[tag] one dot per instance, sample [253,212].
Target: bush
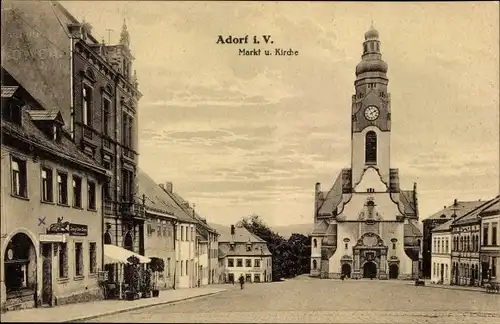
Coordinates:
[157,264]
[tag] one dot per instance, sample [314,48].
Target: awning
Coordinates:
[115,254]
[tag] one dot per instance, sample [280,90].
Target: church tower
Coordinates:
[371,113]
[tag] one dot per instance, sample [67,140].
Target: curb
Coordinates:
[462,289]
[86,318]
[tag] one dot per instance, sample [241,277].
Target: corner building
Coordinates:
[365,225]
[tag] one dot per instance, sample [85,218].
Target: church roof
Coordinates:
[411,230]
[320,228]
[408,200]
[331,198]
[330,235]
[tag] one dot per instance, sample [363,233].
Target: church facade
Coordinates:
[365,225]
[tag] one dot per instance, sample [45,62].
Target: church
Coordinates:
[365,226]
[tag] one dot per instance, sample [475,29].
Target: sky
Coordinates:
[252,135]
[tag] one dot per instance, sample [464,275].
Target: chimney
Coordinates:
[232,230]
[169,187]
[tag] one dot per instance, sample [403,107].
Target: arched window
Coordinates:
[371,147]
[315,264]
[315,243]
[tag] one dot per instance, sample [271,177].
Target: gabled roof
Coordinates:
[445,227]
[494,209]
[8,91]
[463,207]
[241,235]
[184,205]
[240,249]
[473,215]
[46,115]
[159,197]
[65,148]
[154,197]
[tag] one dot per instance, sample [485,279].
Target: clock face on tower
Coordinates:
[371,113]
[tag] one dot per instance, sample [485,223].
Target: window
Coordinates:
[230,262]
[187,267]
[168,267]
[248,263]
[63,260]
[231,247]
[19,179]
[315,264]
[92,257]
[182,233]
[12,112]
[158,228]
[494,234]
[107,165]
[230,277]
[346,245]
[182,267]
[47,185]
[105,116]
[77,192]
[371,147]
[248,277]
[62,188]
[192,233]
[256,277]
[485,235]
[439,246]
[127,124]
[249,247]
[87,105]
[79,259]
[393,245]
[315,243]
[91,195]
[239,263]
[446,246]
[256,263]
[127,185]
[57,133]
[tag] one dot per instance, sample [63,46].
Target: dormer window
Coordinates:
[57,132]
[249,247]
[12,112]
[231,247]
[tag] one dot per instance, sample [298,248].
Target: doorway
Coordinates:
[47,274]
[369,270]
[393,271]
[346,270]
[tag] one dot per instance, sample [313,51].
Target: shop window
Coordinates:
[248,277]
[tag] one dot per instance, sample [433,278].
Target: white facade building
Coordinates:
[365,224]
[185,250]
[441,254]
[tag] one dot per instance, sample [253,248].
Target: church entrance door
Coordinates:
[346,270]
[369,270]
[393,271]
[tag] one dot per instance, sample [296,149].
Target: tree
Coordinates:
[290,257]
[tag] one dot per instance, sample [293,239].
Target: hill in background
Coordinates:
[285,231]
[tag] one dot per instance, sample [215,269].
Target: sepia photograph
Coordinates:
[250,162]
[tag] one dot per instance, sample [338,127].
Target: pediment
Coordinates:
[371,180]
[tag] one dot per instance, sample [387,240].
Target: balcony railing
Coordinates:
[124,209]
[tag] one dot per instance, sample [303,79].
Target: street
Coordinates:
[305,300]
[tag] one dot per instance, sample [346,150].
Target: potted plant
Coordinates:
[146,283]
[157,265]
[133,280]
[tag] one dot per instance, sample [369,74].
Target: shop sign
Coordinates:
[67,228]
[52,238]
[78,229]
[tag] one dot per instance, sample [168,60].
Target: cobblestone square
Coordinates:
[305,300]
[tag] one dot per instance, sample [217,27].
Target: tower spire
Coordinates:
[124,35]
